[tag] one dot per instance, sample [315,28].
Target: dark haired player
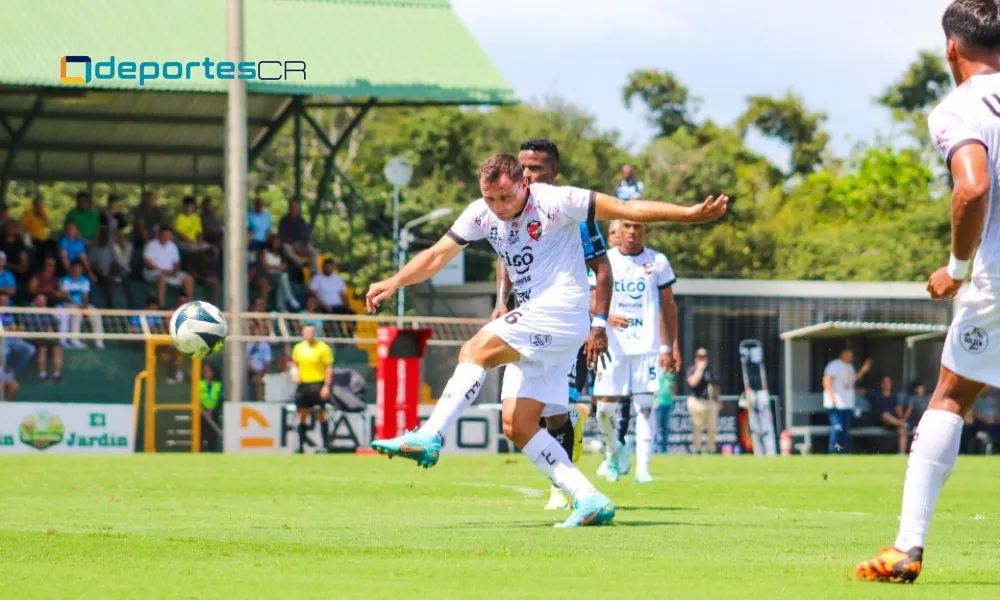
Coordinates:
[540,159]
[965,127]
[534,226]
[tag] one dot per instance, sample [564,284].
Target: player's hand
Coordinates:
[709,210]
[942,286]
[379,291]
[617,321]
[499,311]
[324,393]
[596,347]
[666,362]
[678,361]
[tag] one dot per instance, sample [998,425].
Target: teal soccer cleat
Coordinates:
[591,511]
[423,448]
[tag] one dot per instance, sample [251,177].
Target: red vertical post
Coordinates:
[386,386]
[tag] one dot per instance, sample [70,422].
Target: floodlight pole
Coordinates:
[235,271]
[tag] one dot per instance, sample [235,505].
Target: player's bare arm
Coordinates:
[327,381]
[423,266]
[504,285]
[600,304]
[969,205]
[608,208]
[668,331]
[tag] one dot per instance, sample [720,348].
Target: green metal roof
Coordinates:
[412,50]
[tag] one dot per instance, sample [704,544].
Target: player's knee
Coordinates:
[485,350]
[519,427]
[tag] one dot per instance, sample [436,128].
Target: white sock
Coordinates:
[461,391]
[607,417]
[550,458]
[932,458]
[643,441]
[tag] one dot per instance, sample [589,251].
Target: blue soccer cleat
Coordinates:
[423,448]
[591,511]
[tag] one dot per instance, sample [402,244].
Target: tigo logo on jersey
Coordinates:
[207,69]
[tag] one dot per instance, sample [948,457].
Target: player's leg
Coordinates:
[324,425]
[624,420]
[766,422]
[697,413]
[560,428]
[644,385]
[932,459]
[610,384]
[520,424]
[303,407]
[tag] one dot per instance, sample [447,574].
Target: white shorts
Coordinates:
[628,376]
[548,334]
[972,348]
[176,280]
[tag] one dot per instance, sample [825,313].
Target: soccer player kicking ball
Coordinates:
[963,127]
[536,228]
[540,159]
[644,302]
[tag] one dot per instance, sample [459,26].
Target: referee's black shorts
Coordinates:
[307,396]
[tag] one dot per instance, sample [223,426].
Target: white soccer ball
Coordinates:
[198,329]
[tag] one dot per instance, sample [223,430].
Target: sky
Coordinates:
[837,55]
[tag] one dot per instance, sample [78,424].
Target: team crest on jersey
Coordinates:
[514,236]
[541,340]
[942,138]
[494,234]
[535,230]
[974,339]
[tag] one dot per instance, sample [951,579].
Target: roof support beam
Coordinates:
[97,148]
[161,119]
[274,127]
[6,125]
[329,164]
[117,177]
[15,145]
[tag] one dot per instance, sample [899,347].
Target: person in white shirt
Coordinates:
[259,357]
[535,228]
[161,260]
[331,290]
[840,382]
[965,128]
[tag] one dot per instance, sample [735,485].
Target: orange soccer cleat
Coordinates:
[892,565]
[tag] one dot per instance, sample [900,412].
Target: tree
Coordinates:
[924,83]
[670,105]
[787,119]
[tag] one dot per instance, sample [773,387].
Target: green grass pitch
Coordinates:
[215,526]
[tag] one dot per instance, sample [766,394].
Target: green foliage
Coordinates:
[669,104]
[787,119]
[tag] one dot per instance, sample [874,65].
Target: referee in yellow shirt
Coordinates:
[313,373]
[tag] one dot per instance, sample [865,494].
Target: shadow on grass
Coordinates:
[657,508]
[548,525]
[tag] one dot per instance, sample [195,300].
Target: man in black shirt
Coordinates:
[703,404]
[294,233]
[888,408]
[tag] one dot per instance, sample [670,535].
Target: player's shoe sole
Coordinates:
[557,500]
[593,511]
[419,447]
[892,566]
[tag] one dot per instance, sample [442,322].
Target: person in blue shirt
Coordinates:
[72,249]
[76,285]
[259,223]
[629,188]
[540,158]
[8,284]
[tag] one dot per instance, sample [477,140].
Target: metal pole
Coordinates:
[404,245]
[395,226]
[236,203]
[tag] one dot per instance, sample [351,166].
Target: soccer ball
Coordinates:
[198,329]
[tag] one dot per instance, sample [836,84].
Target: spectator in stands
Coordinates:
[187,226]
[46,282]
[8,284]
[331,290]
[84,217]
[162,265]
[982,424]
[16,351]
[146,221]
[703,403]
[10,383]
[891,411]
[260,224]
[258,361]
[840,382]
[72,248]
[916,402]
[614,234]
[212,230]
[295,232]
[210,394]
[313,308]
[76,285]
[36,222]
[112,216]
[12,244]
[259,305]
[629,188]
[156,323]
[45,323]
[110,267]
[272,270]
[4,213]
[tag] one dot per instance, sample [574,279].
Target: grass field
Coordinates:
[215,526]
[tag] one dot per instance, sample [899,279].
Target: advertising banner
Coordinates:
[53,428]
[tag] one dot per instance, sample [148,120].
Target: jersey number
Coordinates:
[512,317]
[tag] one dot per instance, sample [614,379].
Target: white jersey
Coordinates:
[638,281]
[970,114]
[541,247]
